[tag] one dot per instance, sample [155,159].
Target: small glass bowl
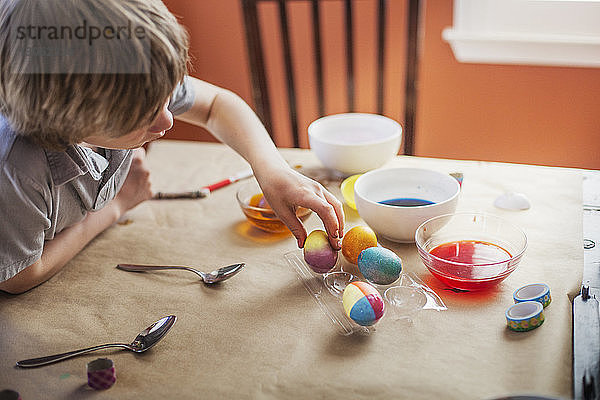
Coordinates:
[263,218]
[470,227]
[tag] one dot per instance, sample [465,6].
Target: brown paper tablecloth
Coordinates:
[260,334]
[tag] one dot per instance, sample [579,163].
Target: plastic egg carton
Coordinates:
[403,298]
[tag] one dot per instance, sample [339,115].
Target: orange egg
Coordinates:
[356,240]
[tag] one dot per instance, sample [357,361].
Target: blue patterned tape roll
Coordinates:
[539,292]
[525,316]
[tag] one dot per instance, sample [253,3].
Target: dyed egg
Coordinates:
[379,265]
[258,200]
[318,253]
[356,240]
[363,303]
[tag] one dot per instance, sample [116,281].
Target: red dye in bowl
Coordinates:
[470,264]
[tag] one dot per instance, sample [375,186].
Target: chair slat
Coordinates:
[349,55]
[289,72]
[260,92]
[316,19]
[381,28]
[412,62]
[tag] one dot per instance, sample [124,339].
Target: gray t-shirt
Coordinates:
[43,192]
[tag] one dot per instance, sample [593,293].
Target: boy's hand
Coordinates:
[286,189]
[137,187]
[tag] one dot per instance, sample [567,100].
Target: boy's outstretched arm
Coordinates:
[70,241]
[231,120]
[58,251]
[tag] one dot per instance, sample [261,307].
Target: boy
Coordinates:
[83,85]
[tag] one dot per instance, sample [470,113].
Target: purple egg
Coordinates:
[318,253]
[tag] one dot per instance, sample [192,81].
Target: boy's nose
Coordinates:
[163,122]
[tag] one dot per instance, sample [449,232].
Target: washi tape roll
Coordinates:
[539,292]
[525,316]
[8,394]
[101,373]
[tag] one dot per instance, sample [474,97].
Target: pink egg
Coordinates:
[318,253]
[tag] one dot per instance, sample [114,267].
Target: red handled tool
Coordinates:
[206,190]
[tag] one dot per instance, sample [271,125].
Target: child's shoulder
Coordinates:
[19,157]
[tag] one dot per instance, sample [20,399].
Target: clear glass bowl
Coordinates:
[263,218]
[486,249]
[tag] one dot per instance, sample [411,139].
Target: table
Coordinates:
[260,334]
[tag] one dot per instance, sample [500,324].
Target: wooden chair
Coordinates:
[260,76]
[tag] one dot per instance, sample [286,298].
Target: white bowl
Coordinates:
[354,143]
[399,223]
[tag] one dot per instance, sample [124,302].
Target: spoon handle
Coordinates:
[38,362]
[142,268]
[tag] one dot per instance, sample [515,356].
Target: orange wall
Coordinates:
[523,114]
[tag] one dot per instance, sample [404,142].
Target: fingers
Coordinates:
[329,210]
[288,192]
[289,218]
[140,174]
[339,211]
[325,209]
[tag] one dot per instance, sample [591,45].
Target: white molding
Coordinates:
[483,33]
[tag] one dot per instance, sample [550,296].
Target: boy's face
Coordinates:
[162,123]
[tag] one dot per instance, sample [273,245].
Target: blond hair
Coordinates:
[109,74]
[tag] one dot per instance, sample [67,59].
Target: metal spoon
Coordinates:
[146,339]
[211,277]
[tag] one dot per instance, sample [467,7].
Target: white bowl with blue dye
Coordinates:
[395,201]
